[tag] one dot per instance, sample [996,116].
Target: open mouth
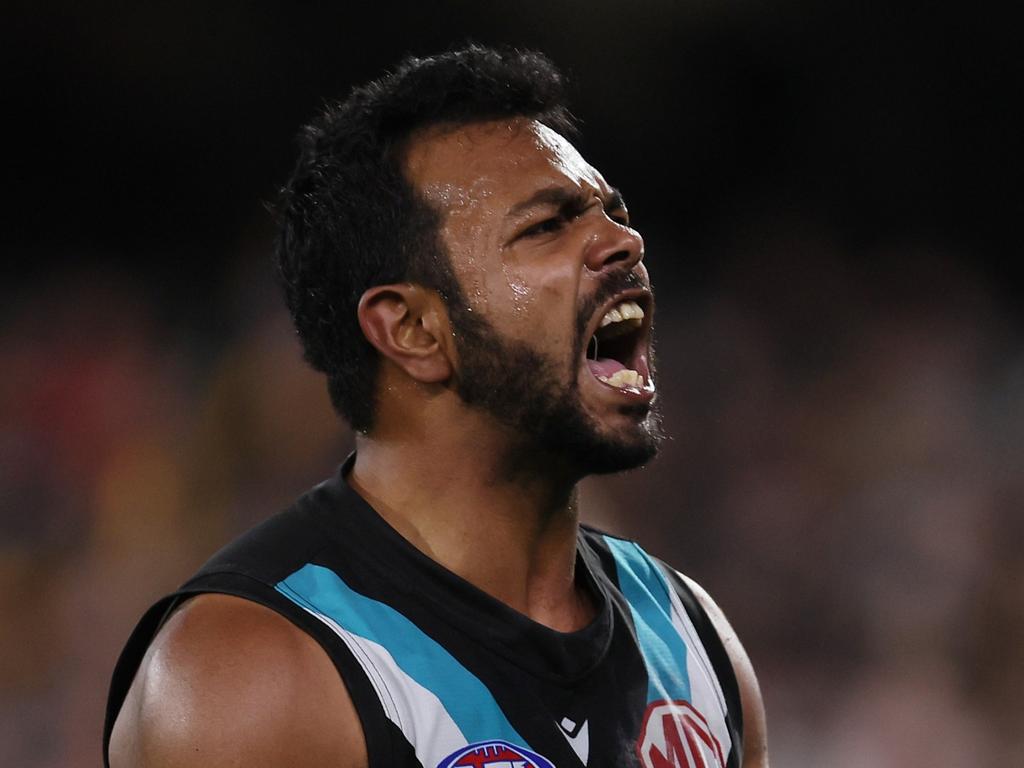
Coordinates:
[617,351]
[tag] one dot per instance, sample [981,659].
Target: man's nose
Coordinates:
[613,245]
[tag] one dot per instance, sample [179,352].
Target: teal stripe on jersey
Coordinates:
[663,648]
[467,700]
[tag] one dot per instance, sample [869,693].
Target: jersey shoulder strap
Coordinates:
[684,655]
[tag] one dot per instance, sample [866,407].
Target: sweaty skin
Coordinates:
[531,283]
[230,683]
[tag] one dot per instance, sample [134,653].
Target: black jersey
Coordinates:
[443,675]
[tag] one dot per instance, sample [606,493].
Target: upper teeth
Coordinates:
[625,310]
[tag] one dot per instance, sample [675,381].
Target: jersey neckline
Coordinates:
[497,627]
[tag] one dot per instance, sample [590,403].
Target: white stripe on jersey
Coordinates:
[416,710]
[705,690]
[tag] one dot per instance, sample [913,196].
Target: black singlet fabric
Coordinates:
[443,675]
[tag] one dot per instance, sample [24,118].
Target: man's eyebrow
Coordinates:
[561,197]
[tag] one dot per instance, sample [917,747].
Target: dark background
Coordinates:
[830,200]
[146,135]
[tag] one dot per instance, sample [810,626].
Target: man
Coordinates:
[476,296]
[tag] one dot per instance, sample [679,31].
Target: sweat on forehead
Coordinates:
[453,166]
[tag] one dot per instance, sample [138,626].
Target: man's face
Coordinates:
[553,326]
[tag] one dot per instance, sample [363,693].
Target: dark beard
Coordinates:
[520,387]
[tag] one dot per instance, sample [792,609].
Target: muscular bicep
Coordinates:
[755,734]
[228,682]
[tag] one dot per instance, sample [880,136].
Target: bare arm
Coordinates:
[755,735]
[228,682]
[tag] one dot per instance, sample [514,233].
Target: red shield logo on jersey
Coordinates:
[676,735]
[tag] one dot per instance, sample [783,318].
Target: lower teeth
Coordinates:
[623,378]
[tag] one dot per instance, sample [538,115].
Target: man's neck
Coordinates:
[507,531]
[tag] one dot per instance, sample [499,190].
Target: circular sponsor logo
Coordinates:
[676,735]
[494,754]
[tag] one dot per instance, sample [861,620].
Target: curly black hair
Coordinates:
[349,219]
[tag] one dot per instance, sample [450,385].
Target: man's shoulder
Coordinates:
[227,680]
[235,672]
[721,643]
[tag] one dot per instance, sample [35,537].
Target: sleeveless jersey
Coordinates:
[445,676]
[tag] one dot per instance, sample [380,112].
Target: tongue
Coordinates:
[604,366]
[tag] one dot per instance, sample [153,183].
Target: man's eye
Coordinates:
[619,216]
[545,227]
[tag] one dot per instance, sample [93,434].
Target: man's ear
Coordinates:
[406,323]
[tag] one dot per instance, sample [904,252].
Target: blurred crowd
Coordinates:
[845,476]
